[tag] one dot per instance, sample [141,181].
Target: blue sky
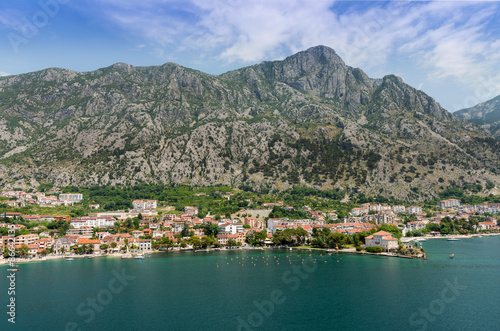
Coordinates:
[449,49]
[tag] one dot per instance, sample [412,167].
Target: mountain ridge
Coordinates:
[309,119]
[486,114]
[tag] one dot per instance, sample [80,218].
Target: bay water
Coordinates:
[263,290]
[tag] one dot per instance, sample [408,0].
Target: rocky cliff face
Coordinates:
[485,114]
[309,119]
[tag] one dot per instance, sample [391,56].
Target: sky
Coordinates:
[448,49]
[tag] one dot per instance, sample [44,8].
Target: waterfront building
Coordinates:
[382,239]
[26,239]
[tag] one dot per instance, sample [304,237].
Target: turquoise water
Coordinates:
[264,290]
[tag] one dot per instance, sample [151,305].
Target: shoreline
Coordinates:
[458,236]
[5,261]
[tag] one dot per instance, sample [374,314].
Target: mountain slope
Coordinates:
[308,119]
[485,114]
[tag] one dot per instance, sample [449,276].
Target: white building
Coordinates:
[417,225]
[450,203]
[148,204]
[74,197]
[382,239]
[191,210]
[487,208]
[398,209]
[414,210]
[231,228]
[142,244]
[94,222]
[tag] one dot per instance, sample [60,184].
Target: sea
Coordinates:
[262,290]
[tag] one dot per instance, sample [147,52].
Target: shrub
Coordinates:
[374,249]
[358,248]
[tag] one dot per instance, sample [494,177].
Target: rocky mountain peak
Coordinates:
[486,114]
[120,66]
[313,59]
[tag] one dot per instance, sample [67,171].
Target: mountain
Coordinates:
[309,119]
[485,114]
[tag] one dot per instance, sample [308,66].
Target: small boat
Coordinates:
[453,239]
[139,256]
[89,257]
[290,248]
[452,256]
[70,259]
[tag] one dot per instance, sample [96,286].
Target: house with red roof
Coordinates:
[382,239]
[85,241]
[486,225]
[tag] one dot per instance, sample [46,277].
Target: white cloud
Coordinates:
[448,40]
[253,30]
[12,19]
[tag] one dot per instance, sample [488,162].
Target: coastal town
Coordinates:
[147,227]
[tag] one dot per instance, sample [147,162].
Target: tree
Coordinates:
[165,242]
[44,252]
[339,240]
[6,253]
[262,235]
[104,248]
[22,251]
[231,243]
[301,235]
[195,242]
[393,230]
[290,237]
[207,242]
[185,231]
[257,238]
[211,229]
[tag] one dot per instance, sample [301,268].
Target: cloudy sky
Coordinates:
[449,49]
